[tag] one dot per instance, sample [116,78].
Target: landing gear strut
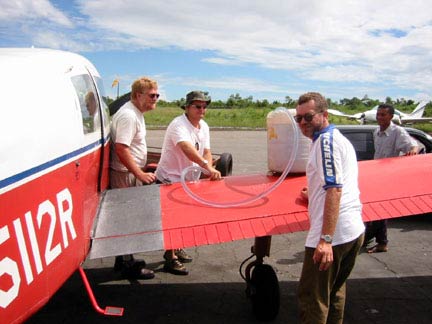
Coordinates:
[262,283]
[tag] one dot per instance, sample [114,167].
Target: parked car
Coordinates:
[361,136]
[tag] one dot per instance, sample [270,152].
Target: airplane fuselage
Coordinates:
[54,165]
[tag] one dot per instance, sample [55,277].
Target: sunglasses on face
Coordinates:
[200,106]
[307,117]
[152,95]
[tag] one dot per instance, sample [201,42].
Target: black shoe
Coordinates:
[174,266]
[119,260]
[133,269]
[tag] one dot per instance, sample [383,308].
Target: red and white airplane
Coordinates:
[55,209]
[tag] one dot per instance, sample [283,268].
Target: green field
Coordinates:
[237,118]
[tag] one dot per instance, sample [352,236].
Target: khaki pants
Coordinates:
[322,293]
[120,179]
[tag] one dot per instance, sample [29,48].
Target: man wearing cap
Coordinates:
[186,143]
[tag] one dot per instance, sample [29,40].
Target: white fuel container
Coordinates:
[280,142]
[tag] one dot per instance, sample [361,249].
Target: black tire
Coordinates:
[265,294]
[224,164]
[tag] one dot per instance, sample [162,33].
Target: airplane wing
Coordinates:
[164,217]
[416,116]
[412,120]
[360,117]
[340,113]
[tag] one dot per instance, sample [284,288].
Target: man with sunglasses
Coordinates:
[186,143]
[129,157]
[336,228]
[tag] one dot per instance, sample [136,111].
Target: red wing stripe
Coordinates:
[400,207]
[428,201]
[369,213]
[212,234]
[223,233]
[410,203]
[281,225]
[421,203]
[302,221]
[188,236]
[246,228]
[258,227]
[235,230]
[270,226]
[200,236]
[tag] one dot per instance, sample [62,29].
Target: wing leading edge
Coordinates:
[164,217]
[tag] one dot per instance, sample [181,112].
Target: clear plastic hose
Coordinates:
[193,173]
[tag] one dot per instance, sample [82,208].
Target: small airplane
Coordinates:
[369,116]
[56,209]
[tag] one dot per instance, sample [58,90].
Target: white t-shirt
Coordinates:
[128,128]
[173,161]
[332,163]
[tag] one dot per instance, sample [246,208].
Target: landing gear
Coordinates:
[262,283]
[264,292]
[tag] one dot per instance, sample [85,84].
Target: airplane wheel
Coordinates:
[265,292]
[224,164]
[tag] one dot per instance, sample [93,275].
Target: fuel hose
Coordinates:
[192,174]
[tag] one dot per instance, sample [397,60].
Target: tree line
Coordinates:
[235,101]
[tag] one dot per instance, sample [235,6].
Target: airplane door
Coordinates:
[92,167]
[105,131]
[95,123]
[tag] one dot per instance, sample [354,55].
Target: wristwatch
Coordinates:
[327,238]
[203,163]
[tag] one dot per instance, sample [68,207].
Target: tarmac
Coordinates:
[393,287]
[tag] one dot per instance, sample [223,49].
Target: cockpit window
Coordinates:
[89,103]
[104,104]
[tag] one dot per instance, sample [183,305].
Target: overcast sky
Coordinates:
[264,49]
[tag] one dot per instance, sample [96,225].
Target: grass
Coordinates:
[238,118]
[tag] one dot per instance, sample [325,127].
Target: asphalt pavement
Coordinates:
[393,287]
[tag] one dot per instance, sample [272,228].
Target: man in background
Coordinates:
[390,140]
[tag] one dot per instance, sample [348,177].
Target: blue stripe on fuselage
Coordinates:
[49,164]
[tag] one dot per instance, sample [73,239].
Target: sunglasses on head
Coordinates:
[307,117]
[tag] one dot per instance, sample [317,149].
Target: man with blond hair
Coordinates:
[129,157]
